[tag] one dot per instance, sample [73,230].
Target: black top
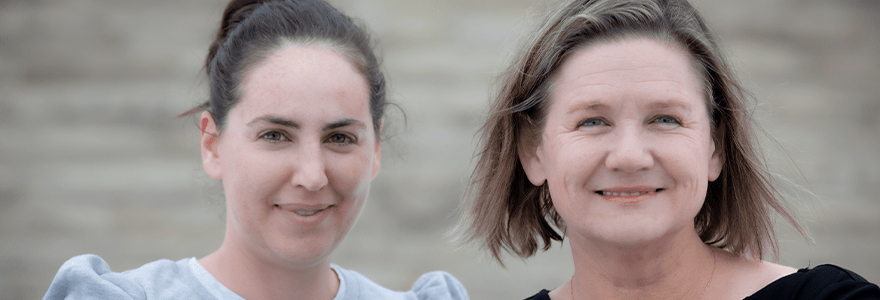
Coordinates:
[822,282]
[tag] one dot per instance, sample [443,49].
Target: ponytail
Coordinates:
[236,11]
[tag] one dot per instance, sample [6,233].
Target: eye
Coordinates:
[666,119]
[593,122]
[341,139]
[274,136]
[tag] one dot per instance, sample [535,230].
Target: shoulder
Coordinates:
[439,285]
[821,282]
[89,276]
[542,295]
[432,285]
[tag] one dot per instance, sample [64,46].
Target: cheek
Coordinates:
[254,177]
[255,173]
[350,178]
[685,153]
[686,169]
[350,174]
[568,170]
[687,165]
[574,163]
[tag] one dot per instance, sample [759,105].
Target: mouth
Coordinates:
[301,210]
[629,192]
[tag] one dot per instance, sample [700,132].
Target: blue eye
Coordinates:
[273,136]
[667,120]
[593,122]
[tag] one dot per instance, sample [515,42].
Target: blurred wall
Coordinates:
[92,159]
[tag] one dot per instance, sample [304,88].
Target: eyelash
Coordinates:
[348,139]
[584,122]
[281,137]
[674,120]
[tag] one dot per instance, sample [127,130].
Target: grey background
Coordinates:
[92,159]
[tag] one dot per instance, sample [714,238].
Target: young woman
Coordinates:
[292,130]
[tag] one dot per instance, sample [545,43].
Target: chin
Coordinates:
[303,251]
[303,257]
[627,233]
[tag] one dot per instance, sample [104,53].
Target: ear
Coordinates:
[377,155]
[530,157]
[716,161]
[208,143]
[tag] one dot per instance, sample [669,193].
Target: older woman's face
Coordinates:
[626,149]
[296,157]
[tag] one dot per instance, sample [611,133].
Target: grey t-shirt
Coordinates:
[89,277]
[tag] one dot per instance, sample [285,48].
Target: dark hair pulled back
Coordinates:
[251,30]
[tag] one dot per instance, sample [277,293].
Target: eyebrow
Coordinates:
[589,105]
[293,124]
[668,104]
[275,120]
[343,123]
[654,105]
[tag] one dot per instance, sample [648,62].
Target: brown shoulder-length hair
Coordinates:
[506,212]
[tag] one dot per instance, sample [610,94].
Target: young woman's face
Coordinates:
[296,157]
[626,150]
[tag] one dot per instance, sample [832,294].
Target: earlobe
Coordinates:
[208,145]
[530,157]
[716,163]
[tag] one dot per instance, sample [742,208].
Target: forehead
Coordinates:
[296,79]
[643,68]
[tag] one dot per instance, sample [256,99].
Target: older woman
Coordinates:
[621,125]
[292,131]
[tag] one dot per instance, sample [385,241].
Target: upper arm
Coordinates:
[89,277]
[439,285]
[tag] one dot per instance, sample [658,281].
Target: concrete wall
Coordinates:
[92,159]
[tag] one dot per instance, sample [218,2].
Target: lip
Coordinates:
[304,210]
[628,195]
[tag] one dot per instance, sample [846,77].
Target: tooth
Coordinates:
[624,194]
[306,212]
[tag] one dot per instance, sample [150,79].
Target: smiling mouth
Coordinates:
[626,193]
[306,212]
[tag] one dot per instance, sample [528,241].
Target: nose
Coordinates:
[310,171]
[629,152]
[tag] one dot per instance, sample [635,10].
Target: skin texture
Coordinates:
[627,154]
[300,140]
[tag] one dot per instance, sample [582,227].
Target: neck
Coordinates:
[252,277]
[675,268]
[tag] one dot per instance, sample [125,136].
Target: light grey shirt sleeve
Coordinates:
[89,277]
